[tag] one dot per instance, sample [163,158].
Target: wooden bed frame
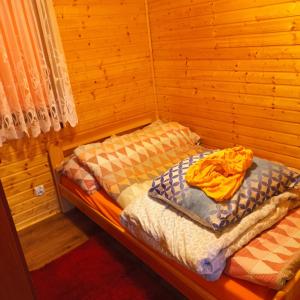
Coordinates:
[60,150]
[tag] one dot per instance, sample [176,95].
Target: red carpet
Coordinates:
[99,269]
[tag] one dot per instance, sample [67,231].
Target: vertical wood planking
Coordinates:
[231,71]
[107,52]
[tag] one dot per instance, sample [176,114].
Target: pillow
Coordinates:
[121,161]
[80,175]
[263,180]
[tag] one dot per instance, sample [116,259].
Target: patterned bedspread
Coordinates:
[273,257]
[193,245]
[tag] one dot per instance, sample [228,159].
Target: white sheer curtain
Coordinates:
[35,91]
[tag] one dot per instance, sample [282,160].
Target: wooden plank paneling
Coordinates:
[228,69]
[107,52]
[231,71]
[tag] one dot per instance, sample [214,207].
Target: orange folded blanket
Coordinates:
[221,173]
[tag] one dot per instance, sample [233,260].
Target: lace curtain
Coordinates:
[35,91]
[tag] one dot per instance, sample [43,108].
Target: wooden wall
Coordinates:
[228,69]
[231,70]
[107,52]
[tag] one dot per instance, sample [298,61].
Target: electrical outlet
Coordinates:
[39,190]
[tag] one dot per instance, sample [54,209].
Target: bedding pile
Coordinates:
[195,246]
[145,173]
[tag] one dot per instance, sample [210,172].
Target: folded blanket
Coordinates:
[272,258]
[202,250]
[221,173]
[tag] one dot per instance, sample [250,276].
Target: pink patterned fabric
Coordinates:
[272,258]
[35,92]
[139,156]
[80,175]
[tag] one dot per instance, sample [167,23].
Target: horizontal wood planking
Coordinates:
[197,14]
[257,101]
[255,40]
[238,127]
[42,211]
[107,52]
[222,5]
[217,134]
[235,65]
[26,206]
[231,71]
[274,116]
[268,26]
[234,53]
[273,90]
[274,78]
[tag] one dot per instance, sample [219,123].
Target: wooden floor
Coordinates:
[53,237]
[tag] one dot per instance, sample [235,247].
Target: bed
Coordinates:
[107,217]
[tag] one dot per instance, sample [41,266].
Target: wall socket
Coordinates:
[39,190]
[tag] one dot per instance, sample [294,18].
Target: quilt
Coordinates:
[195,246]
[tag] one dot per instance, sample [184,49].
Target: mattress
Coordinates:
[224,288]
